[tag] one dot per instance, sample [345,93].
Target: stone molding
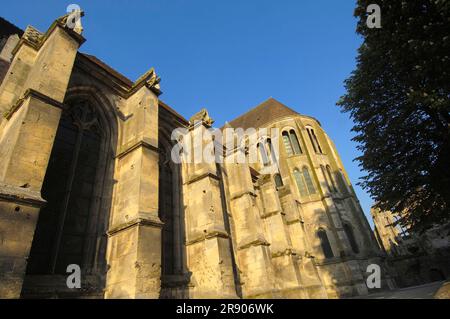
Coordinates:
[33,94]
[256,242]
[21,195]
[243,193]
[208,235]
[198,177]
[152,222]
[142,143]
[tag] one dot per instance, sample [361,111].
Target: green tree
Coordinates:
[399,100]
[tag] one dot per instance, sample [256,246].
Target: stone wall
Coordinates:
[149,227]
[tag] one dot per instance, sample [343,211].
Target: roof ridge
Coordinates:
[269,102]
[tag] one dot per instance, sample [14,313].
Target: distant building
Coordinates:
[413,259]
[86,178]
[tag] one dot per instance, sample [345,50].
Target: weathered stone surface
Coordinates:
[87,177]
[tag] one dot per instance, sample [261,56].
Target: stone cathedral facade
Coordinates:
[86,178]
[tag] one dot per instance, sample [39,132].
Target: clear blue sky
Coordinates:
[226,55]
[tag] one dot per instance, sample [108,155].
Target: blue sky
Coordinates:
[227,56]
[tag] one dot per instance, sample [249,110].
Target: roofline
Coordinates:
[171,110]
[276,119]
[108,69]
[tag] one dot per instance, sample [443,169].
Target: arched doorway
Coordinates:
[70,229]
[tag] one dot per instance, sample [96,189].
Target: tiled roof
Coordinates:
[262,114]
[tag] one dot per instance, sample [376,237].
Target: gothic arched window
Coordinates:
[351,238]
[314,140]
[263,154]
[325,175]
[330,176]
[308,180]
[300,183]
[294,141]
[287,143]
[291,143]
[71,190]
[270,151]
[325,243]
[304,182]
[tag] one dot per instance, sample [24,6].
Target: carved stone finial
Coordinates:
[32,35]
[153,82]
[202,117]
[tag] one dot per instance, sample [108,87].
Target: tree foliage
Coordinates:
[399,100]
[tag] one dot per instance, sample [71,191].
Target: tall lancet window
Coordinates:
[298,176]
[325,243]
[263,154]
[308,180]
[330,176]
[71,190]
[351,238]
[291,143]
[287,143]
[314,140]
[295,143]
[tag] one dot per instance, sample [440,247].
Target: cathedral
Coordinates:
[87,178]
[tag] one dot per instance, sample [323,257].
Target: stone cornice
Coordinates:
[128,148]
[256,242]
[34,94]
[152,222]
[272,213]
[21,195]
[150,80]
[242,193]
[294,221]
[208,235]
[285,252]
[198,177]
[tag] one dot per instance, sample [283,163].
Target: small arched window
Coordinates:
[314,140]
[325,243]
[291,143]
[294,142]
[351,238]
[300,183]
[308,180]
[278,180]
[325,175]
[263,154]
[304,182]
[287,143]
[330,176]
[271,151]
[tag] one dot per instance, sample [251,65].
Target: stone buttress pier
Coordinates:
[208,243]
[31,97]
